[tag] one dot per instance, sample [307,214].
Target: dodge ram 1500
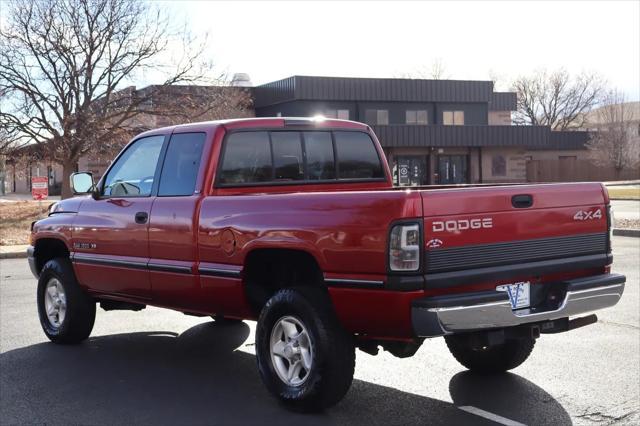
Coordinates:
[295,223]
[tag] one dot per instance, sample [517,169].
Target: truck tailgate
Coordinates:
[491,226]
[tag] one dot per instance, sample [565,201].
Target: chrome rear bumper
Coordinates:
[491,310]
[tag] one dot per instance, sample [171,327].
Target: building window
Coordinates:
[498,165]
[453,118]
[377,116]
[341,114]
[417,117]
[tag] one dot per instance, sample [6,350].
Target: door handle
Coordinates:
[141,217]
[522,201]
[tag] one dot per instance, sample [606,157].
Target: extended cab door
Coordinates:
[173,245]
[111,234]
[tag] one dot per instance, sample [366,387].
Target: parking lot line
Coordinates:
[487,415]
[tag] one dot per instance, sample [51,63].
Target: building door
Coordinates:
[452,169]
[411,170]
[533,170]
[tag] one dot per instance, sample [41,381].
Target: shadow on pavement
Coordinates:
[198,377]
[507,395]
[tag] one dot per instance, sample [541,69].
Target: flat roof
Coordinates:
[300,87]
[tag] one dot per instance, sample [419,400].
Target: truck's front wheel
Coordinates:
[489,359]
[66,312]
[305,357]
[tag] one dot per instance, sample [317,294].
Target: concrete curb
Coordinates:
[625,199]
[14,255]
[626,232]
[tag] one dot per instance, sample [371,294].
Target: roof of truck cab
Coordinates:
[258,123]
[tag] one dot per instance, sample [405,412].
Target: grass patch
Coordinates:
[632,193]
[16,218]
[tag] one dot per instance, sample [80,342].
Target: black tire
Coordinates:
[333,355]
[80,312]
[492,359]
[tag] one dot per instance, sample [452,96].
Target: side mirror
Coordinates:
[82,183]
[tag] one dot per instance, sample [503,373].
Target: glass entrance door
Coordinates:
[452,169]
[411,170]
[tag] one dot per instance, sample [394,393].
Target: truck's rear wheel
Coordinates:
[490,359]
[305,357]
[66,312]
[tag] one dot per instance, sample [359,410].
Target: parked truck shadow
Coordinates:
[198,377]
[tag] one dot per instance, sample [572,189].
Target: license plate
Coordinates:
[519,294]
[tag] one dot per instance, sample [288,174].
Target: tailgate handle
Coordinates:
[522,201]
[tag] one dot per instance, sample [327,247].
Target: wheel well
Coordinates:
[269,270]
[47,249]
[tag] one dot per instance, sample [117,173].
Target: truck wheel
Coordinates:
[66,312]
[492,359]
[305,357]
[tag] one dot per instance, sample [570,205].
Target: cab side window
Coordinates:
[181,164]
[133,173]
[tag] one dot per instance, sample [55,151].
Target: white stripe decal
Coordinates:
[487,415]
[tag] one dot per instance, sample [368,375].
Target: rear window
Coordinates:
[357,156]
[320,160]
[287,156]
[247,158]
[291,156]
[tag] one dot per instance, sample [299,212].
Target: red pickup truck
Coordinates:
[295,223]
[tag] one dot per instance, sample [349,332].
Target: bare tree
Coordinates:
[556,99]
[436,71]
[615,141]
[65,66]
[439,70]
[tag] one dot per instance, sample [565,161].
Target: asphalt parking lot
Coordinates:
[162,367]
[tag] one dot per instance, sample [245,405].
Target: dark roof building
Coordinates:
[433,131]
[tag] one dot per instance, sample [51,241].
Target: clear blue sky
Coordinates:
[474,40]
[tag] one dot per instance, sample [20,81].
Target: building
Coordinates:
[433,131]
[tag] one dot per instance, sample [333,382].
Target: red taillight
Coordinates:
[404,247]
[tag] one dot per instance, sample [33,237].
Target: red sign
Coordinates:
[40,187]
